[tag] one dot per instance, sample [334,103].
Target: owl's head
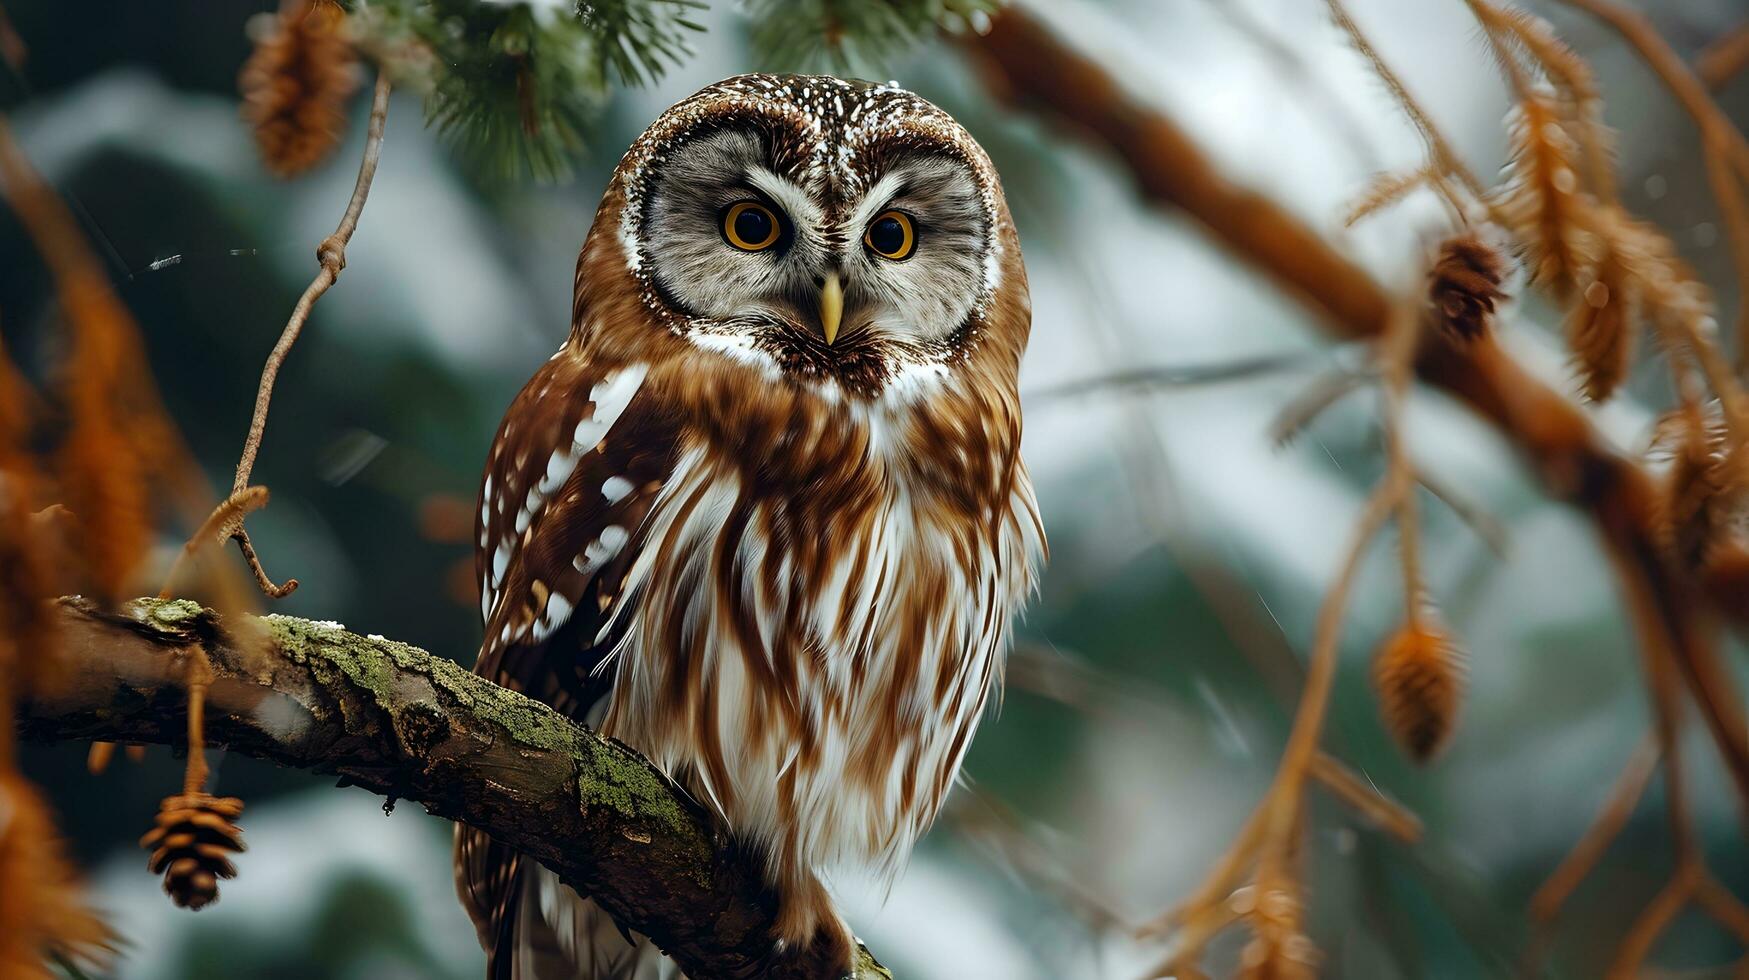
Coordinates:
[822,228]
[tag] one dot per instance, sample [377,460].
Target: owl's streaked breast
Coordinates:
[818,613]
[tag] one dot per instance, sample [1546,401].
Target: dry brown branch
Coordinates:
[402,723]
[331,255]
[1301,410]
[212,531]
[1485,525]
[1722,143]
[1270,840]
[1721,60]
[1384,190]
[1034,67]
[987,821]
[1687,880]
[1508,29]
[1605,827]
[1368,800]
[1148,379]
[1445,161]
[1638,31]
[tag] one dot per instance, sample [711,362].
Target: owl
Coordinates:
[763,516]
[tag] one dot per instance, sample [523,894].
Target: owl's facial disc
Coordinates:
[738,239]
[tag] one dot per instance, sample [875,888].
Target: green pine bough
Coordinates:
[514,86]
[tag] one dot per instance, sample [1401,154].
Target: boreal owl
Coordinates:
[763,516]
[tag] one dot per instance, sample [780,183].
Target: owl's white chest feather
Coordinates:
[833,674]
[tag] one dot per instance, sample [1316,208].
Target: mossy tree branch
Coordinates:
[405,724]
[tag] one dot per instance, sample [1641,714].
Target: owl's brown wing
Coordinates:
[574,469]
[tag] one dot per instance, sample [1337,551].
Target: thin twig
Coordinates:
[1720,61]
[1173,376]
[983,819]
[1486,526]
[1721,140]
[1349,787]
[1282,806]
[1298,76]
[247,547]
[331,254]
[1270,838]
[1688,879]
[1325,390]
[1724,908]
[1398,354]
[1217,884]
[1566,70]
[199,675]
[1653,919]
[212,531]
[1438,147]
[1605,827]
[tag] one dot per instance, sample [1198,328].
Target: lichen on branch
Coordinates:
[403,723]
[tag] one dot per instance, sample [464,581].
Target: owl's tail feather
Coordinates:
[561,935]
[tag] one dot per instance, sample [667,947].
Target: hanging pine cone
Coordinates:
[1464,285]
[191,843]
[1420,677]
[296,84]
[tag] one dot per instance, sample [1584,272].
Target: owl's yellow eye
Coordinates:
[750,226]
[891,236]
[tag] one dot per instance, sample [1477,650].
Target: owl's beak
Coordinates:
[831,306]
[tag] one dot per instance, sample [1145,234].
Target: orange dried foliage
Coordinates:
[1420,675]
[1601,328]
[296,83]
[1540,201]
[1384,190]
[42,915]
[24,573]
[102,469]
[120,440]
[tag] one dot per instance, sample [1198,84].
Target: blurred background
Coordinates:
[1151,689]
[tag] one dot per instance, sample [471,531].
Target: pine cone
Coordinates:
[1464,285]
[296,84]
[1420,677]
[190,845]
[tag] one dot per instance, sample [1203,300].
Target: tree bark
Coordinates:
[405,724]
